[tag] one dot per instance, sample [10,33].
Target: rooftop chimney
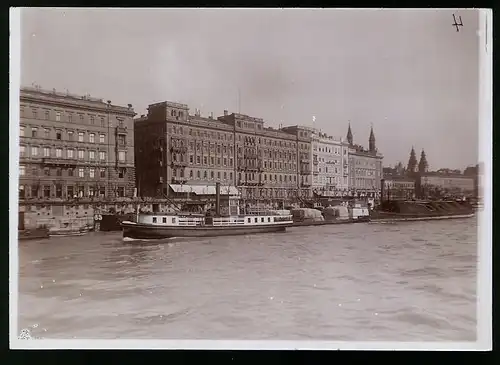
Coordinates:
[225,113]
[211,115]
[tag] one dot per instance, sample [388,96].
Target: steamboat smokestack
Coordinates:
[217,199]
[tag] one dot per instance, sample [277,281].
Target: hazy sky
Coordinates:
[407,72]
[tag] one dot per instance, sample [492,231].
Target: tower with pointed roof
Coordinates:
[412,162]
[349,135]
[423,166]
[371,142]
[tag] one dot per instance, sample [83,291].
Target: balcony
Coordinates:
[315,172]
[315,162]
[179,180]
[121,130]
[305,184]
[177,149]
[305,160]
[305,172]
[179,163]
[59,161]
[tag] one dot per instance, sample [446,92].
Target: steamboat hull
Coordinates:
[139,231]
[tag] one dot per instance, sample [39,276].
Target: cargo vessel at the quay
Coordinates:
[421,210]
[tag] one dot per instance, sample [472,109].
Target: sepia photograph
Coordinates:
[245,178]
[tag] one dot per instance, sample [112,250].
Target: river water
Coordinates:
[413,281]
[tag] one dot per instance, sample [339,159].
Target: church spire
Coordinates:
[423,165]
[412,162]
[371,141]
[349,135]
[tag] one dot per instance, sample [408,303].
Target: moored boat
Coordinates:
[158,225]
[69,231]
[395,211]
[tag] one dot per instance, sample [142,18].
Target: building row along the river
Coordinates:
[82,147]
[177,152]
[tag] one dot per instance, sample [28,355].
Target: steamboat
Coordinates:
[158,225]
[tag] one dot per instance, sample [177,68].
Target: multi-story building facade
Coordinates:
[174,148]
[398,188]
[74,146]
[365,173]
[330,165]
[432,183]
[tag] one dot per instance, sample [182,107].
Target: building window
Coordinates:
[59,152]
[70,136]
[58,172]
[46,152]
[58,136]
[34,171]
[102,122]
[34,151]
[46,191]
[22,151]
[92,172]
[80,136]
[92,119]
[33,132]
[92,138]
[46,171]
[121,156]
[218,174]
[22,193]
[101,138]
[102,155]
[70,172]
[70,153]
[70,117]
[46,133]
[34,191]
[191,173]
[103,173]
[58,116]
[120,124]
[81,172]
[92,155]
[122,171]
[81,118]
[22,170]
[230,176]
[198,174]
[47,114]
[211,174]
[205,160]
[70,192]
[121,139]
[121,191]
[21,131]
[81,154]
[198,160]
